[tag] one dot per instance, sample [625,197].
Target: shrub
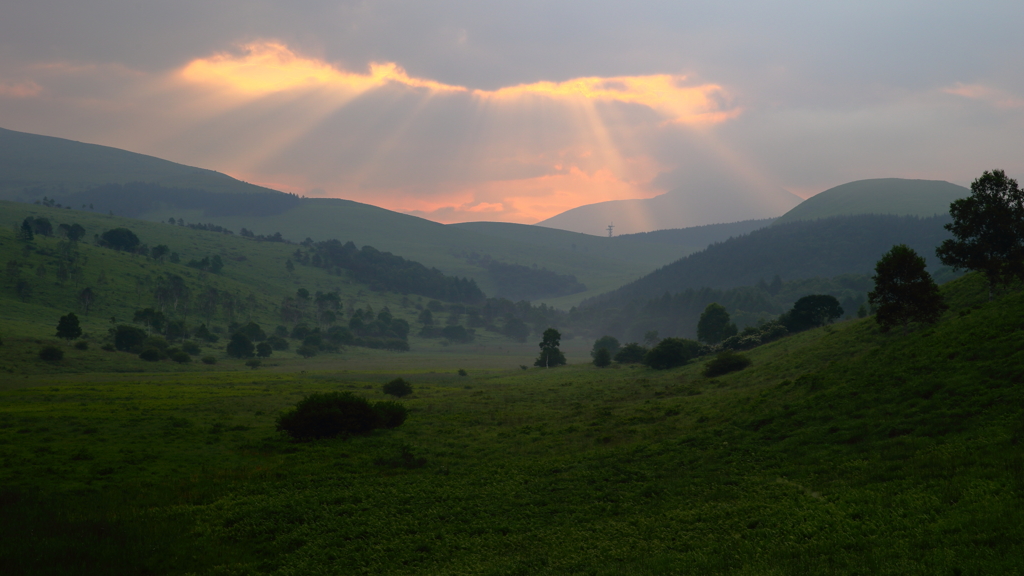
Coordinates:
[463,372]
[609,343]
[726,361]
[83,345]
[180,356]
[277,342]
[631,353]
[209,360]
[306,351]
[191,347]
[128,338]
[264,350]
[390,414]
[51,354]
[672,352]
[108,348]
[602,358]
[253,363]
[150,355]
[398,388]
[324,415]
[240,346]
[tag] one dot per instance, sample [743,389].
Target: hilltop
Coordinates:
[897,196]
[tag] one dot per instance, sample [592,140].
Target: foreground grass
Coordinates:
[841,451]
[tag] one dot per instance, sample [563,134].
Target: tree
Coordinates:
[240,346]
[397,388]
[25,232]
[264,350]
[128,338]
[812,311]
[631,353]
[159,252]
[672,352]
[904,290]
[86,298]
[609,344]
[988,230]
[602,358]
[550,355]
[120,239]
[68,327]
[714,325]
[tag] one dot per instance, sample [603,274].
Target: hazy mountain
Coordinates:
[879,196]
[804,249]
[709,201]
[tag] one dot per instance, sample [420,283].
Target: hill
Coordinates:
[727,199]
[841,450]
[898,196]
[803,249]
[32,166]
[107,180]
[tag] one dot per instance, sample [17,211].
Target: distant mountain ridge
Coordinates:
[898,196]
[711,201]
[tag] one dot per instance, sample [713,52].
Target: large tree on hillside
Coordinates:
[714,325]
[904,291]
[988,230]
[120,239]
[68,327]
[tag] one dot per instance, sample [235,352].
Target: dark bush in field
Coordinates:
[602,358]
[324,415]
[306,351]
[128,338]
[209,360]
[390,414]
[240,346]
[726,361]
[180,356]
[264,350]
[253,363]
[631,353]
[672,352]
[398,388]
[150,354]
[83,345]
[277,343]
[191,347]
[51,354]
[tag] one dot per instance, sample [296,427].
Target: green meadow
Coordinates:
[841,450]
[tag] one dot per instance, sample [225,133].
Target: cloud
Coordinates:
[22,89]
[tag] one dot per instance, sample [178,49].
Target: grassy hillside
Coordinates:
[32,165]
[254,278]
[796,250]
[898,196]
[840,451]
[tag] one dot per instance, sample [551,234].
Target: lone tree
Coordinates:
[120,239]
[68,327]
[988,230]
[812,311]
[602,358]
[240,346]
[904,290]
[714,325]
[550,355]
[609,344]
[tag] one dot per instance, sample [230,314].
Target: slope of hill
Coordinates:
[803,249]
[841,450]
[700,236]
[879,196]
[699,204]
[32,166]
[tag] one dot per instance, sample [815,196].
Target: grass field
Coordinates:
[842,450]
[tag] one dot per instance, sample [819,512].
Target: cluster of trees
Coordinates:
[383,271]
[520,282]
[275,237]
[201,226]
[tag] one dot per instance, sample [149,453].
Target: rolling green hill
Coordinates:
[32,166]
[897,196]
[841,450]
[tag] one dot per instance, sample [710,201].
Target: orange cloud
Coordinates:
[24,89]
[993,96]
[268,67]
[666,94]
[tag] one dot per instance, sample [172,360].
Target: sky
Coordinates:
[517,111]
